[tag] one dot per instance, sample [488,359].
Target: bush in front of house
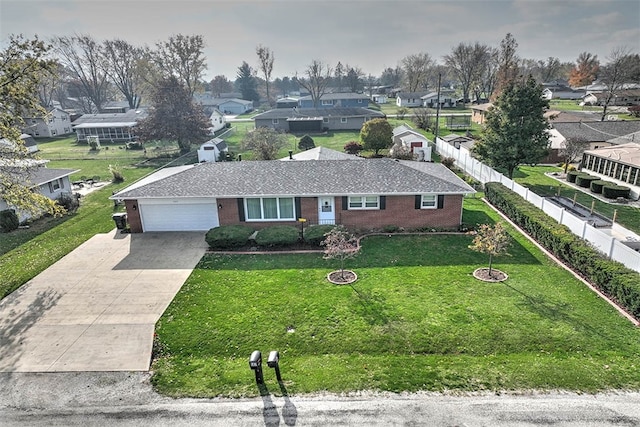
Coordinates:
[315,234]
[611,277]
[9,220]
[584,180]
[613,191]
[352,147]
[228,236]
[596,186]
[571,175]
[68,201]
[278,235]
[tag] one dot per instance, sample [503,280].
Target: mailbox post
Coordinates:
[255,363]
[274,362]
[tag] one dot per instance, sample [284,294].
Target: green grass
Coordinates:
[27,252]
[568,105]
[415,320]
[535,179]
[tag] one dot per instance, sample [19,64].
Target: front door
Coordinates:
[326,210]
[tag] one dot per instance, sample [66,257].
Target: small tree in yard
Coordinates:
[572,149]
[491,240]
[376,135]
[306,143]
[341,245]
[352,147]
[265,143]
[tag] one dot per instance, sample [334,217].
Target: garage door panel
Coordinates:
[179,216]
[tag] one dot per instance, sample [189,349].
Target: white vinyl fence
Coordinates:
[602,239]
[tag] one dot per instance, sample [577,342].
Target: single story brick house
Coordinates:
[316,119]
[364,194]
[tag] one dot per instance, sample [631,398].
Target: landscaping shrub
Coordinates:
[352,147]
[571,175]
[306,143]
[596,186]
[116,174]
[228,236]
[610,277]
[9,220]
[449,162]
[613,191]
[278,235]
[314,234]
[69,202]
[584,180]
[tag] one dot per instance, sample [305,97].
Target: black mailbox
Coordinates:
[273,362]
[255,363]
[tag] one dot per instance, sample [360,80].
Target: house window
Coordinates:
[359,101]
[327,102]
[429,201]
[270,208]
[364,202]
[55,185]
[343,120]
[325,120]
[274,121]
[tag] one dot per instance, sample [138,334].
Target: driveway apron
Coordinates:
[96,308]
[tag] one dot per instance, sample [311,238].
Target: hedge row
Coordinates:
[228,237]
[610,277]
[597,185]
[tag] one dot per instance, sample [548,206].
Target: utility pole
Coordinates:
[438,110]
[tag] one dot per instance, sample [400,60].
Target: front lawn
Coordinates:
[415,320]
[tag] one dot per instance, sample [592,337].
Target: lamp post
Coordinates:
[302,221]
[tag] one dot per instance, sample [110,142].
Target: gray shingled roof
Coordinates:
[337,95]
[306,178]
[322,153]
[41,175]
[129,116]
[597,131]
[286,113]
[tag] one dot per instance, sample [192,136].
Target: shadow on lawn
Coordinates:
[372,307]
[558,312]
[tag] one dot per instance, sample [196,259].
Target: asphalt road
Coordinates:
[127,399]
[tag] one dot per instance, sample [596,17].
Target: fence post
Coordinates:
[612,247]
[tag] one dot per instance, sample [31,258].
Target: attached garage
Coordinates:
[178,214]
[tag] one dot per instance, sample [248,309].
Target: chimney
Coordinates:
[290,155]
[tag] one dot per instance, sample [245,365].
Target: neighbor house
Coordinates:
[617,163]
[316,119]
[363,194]
[623,97]
[218,120]
[227,105]
[447,100]
[108,127]
[340,99]
[597,134]
[410,99]
[287,102]
[56,122]
[51,183]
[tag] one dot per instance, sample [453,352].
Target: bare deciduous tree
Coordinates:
[621,69]
[467,62]
[572,148]
[182,57]
[124,69]
[84,58]
[265,63]
[264,142]
[316,80]
[417,69]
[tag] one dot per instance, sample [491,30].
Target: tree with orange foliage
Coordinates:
[586,70]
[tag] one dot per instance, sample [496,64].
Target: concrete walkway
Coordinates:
[96,308]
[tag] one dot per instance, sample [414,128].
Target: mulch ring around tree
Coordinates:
[342,278]
[496,275]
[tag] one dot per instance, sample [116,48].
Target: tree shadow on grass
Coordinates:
[558,312]
[373,307]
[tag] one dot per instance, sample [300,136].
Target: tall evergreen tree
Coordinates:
[515,130]
[246,83]
[174,117]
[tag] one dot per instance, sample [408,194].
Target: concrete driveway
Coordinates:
[96,308]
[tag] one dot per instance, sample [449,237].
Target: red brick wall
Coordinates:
[133,216]
[399,210]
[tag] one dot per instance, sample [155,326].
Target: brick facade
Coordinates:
[133,216]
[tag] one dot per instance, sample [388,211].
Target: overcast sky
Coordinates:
[372,34]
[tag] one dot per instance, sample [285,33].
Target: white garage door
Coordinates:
[178,215]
